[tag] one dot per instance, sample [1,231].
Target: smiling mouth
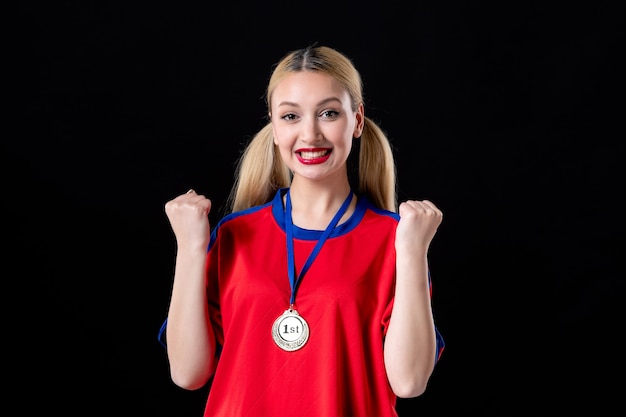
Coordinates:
[313,157]
[313,154]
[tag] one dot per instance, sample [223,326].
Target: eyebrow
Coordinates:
[321,103]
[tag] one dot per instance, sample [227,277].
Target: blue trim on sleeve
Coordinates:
[441,344]
[161,335]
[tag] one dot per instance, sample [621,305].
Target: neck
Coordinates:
[313,206]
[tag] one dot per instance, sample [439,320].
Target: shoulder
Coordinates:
[367,207]
[251,216]
[368,217]
[242,215]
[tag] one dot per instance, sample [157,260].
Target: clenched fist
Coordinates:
[418,224]
[188,215]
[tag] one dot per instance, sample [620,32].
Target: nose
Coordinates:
[310,132]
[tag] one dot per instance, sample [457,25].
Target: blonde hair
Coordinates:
[261,172]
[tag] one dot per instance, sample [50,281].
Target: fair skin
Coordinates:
[313,127]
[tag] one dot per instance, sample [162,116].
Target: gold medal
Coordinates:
[290,331]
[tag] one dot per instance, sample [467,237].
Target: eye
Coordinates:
[288,117]
[329,114]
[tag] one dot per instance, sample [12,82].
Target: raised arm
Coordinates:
[190,339]
[411,340]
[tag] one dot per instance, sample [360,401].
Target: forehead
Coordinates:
[308,87]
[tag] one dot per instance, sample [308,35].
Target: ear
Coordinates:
[360,121]
[274,137]
[269,116]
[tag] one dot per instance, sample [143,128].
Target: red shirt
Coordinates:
[345,297]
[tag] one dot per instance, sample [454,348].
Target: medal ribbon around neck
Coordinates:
[290,331]
[290,251]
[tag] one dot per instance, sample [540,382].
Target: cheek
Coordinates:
[284,136]
[277,133]
[340,134]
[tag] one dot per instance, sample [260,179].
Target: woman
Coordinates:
[312,297]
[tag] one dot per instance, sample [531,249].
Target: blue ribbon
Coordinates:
[293,282]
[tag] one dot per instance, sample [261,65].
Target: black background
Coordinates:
[508,115]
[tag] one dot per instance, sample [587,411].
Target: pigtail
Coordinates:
[377,169]
[260,172]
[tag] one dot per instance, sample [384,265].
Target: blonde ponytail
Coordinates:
[260,172]
[377,170]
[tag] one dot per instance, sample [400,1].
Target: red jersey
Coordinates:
[345,296]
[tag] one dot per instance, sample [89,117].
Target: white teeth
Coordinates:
[312,155]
